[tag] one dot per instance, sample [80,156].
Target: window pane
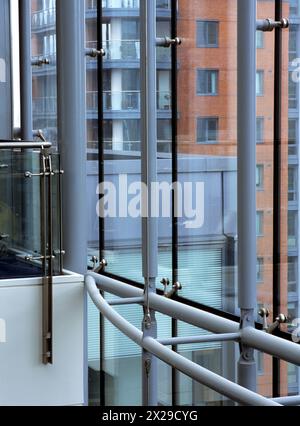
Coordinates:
[207,130]
[207,82]
[207,34]
[260,123]
[259,83]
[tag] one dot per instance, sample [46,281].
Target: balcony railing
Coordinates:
[44,105]
[114,101]
[164,101]
[50,56]
[43,18]
[163,146]
[119,49]
[126,100]
[223,330]
[127,50]
[128,4]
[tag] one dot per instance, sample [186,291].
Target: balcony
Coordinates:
[43,18]
[126,101]
[127,50]
[163,146]
[127,4]
[44,106]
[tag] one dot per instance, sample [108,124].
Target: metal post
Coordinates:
[72,128]
[25,69]
[247,181]
[149,176]
[6,98]
[71,85]
[30,215]
[277,185]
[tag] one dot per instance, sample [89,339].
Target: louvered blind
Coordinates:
[200,272]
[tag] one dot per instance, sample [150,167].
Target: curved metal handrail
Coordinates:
[218,383]
[257,339]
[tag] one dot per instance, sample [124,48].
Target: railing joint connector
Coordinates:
[268,25]
[95,53]
[168,42]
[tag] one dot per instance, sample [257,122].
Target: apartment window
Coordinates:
[164,136]
[259,177]
[293,43]
[260,269]
[260,129]
[207,130]
[293,381]
[48,4]
[130,29]
[260,83]
[131,135]
[292,274]
[293,184]
[49,47]
[293,313]
[292,229]
[293,98]
[260,363]
[260,41]
[207,82]
[207,34]
[293,132]
[294,7]
[259,223]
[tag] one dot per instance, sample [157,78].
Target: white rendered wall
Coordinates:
[24,380]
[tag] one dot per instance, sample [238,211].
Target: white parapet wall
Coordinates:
[24,380]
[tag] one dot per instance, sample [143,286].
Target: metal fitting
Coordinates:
[40,62]
[101,267]
[175,288]
[265,313]
[39,134]
[168,42]
[269,24]
[165,282]
[95,53]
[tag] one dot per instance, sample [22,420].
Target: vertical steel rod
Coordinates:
[246,120]
[101,174]
[71,88]
[277,185]
[175,222]
[149,175]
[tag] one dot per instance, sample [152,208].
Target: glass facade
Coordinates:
[197,148]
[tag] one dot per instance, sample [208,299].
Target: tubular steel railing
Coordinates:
[225,330]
